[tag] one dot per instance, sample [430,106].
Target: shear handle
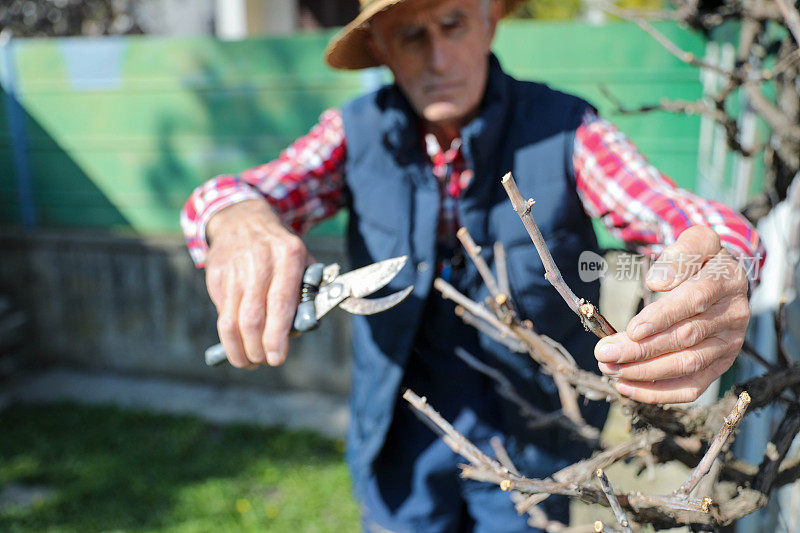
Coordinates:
[306,317]
[304,320]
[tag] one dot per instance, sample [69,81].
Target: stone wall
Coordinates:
[138,305]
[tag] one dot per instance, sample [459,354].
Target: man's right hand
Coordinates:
[253,273]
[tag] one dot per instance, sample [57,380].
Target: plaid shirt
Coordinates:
[616,184]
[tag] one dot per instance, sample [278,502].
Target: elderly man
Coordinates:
[414,161]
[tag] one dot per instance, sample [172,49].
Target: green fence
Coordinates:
[119,131]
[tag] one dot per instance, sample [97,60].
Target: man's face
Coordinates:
[437,52]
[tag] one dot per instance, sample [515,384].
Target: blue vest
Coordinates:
[523,127]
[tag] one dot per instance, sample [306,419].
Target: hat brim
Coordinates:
[348,49]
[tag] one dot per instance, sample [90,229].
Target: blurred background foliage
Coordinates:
[61,18]
[571,9]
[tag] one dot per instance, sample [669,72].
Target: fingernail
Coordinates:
[608,353]
[610,369]
[274,358]
[623,388]
[661,274]
[645,329]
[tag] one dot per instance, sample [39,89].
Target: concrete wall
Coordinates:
[139,305]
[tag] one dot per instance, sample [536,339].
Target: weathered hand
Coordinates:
[677,346]
[253,274]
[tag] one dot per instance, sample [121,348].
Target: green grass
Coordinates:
[114,470]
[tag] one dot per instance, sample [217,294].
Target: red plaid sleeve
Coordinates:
[643,207]
[304,185]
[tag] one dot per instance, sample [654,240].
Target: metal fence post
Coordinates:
[16,129]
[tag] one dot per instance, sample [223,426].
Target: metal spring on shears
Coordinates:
[308,292]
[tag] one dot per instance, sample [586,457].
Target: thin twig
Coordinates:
[582,471]
[729,425]
[512,343]
[502,455]
[550,359]
[552,273]
[454,439]
[484,468]
[792,18]
[619,514]
[707,484]
[774,116]
[536,416]
[777,449]
[450,293]
[784,64]
[590,316]
[685,56]
[692,107]
[569,401]
[750,351]
[538,518]
[502,268]
[779,320]
[549,354]
[474,252]
[529,502]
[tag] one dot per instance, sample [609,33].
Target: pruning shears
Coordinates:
[324,288]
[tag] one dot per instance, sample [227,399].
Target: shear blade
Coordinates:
[357,283]
[364,306]
[371,278]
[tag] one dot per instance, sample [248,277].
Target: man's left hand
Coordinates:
[678,345]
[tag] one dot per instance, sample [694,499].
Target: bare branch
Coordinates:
[730,424]
[582,471]
[698,107]
[779,321]
[552,273]
[750,351]
[765,389]
[709,482]
[512,343]
[502,455]
[548,353]
[792,18]
[460,444]
[656,509]
[569,401]
[672,48]
[590,316]
[502,268]
[449,292]
[537,417]
[474,252]
[777,120]
[777,449]
[619,514]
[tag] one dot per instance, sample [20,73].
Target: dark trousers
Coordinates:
[416,486]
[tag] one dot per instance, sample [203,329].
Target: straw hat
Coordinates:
[348,48]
